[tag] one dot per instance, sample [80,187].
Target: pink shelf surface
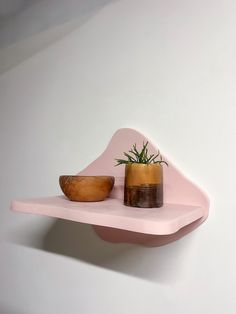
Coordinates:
[186,205]
[112,213]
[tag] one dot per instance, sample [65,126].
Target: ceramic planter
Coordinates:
[143,185]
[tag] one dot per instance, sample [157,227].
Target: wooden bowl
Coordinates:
[86,188]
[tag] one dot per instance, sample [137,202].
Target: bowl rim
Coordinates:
[79,176]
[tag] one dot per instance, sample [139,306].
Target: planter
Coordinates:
[143,185]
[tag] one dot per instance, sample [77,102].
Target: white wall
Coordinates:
[166,68]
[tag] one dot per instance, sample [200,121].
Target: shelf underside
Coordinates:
[112,213]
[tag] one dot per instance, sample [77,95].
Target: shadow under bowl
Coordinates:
[86,188]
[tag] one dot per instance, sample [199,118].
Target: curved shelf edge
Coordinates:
[112,214]
[114,235]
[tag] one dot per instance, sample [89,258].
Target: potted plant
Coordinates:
[143,177]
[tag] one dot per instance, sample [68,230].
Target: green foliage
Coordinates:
[141,157]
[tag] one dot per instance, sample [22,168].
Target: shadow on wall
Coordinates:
[40,24]
[79,241]
[9,309]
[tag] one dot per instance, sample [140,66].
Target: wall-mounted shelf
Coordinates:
[112,213]
[185,205]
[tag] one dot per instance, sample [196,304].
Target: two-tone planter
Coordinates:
[143,185]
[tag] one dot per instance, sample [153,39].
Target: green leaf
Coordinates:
[130,158]
[141,156]
[149,160]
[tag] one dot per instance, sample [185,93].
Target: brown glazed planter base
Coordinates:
[146,196]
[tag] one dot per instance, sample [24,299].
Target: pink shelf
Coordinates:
[186,205]
[112,213]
